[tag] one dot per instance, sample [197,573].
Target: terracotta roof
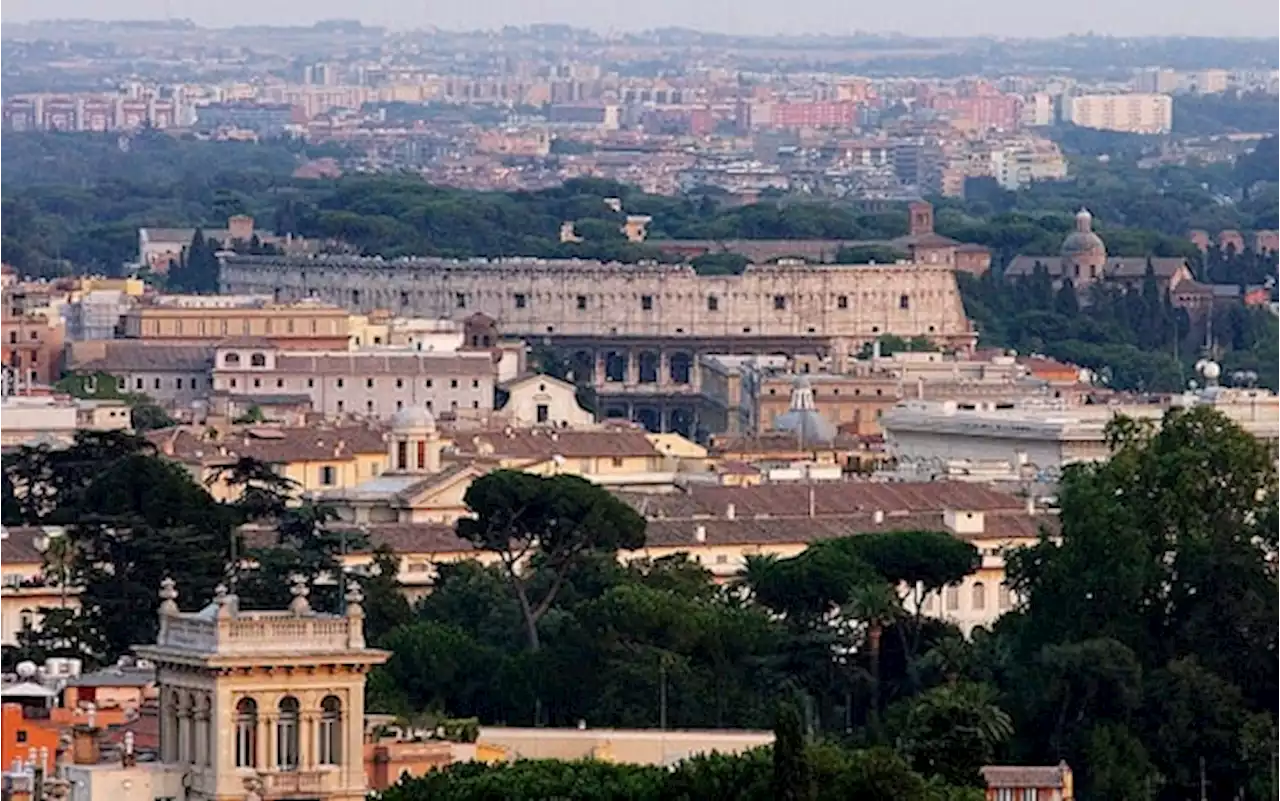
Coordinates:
[534,444]
[275,445]
[1122,267]
[1026,776]
[402,538]
[830,499]
[244,342]
[19,545]
[804,530]
[127,355]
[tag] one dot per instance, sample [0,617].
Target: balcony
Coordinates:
[260,633]
[288,784]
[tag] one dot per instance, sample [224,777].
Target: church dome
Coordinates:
[803,419]
[413,418]
[1083,240]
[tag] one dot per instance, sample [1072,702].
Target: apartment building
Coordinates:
[1127,113]
[373,384]
[31,348]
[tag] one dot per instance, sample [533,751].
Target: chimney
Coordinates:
[878,517]
[84,745]
[240,227]
[1031,505]
[730,512]
[700,533]
[128,758]
[813,501]
[875,352]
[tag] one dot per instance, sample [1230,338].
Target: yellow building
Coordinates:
[185,319]
[719,527]
[1128,113]
[27,585]
[315,458]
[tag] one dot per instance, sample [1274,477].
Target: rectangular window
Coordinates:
[453,383]
[368,383]
[461,300]
[341,407]
[582,303]
[779,302]
[617,461]
[842,302]
[156,383]
[520,300]
[328,476]
[177,383]
[646,302]
[137,383]
[257,383]
[475,383]
[904,302]
[340,383]
[713,303]
[429,383]
[543,412]
[399,383]
[311,383]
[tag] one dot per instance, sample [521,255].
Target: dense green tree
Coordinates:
[952,731]
[554,521]
[792,773]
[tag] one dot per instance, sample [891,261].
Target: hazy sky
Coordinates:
[924,17]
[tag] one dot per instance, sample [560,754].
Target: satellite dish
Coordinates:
[26,669]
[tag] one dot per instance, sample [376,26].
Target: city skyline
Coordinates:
[999,18]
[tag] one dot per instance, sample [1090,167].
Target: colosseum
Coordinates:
[614,319]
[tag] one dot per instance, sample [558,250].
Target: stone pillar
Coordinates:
[262,743]
[598,377]
[664,368]
[633,368]
[352,755]
[307,741]
[185,722]
[695,371]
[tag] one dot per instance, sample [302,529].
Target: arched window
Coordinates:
[193,724]
[979,596]
[231,360]
[258,360]
[952,595]
[287,734]
[1006,596]
[331,731]
[247,733]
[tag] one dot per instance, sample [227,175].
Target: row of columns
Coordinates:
[267,742]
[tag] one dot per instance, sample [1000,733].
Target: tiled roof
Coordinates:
[129,355]
[403,538]
[19,545]
[829,499]
[539,445]
[275,445]
[1026,776]
[796,530]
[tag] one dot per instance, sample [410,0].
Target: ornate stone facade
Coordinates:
[265,702]
[591,299]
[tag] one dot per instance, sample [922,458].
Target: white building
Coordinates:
[1126,113]
[1036,440]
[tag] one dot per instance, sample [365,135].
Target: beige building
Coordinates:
[27,586]
[253,704]
[541,400]
[719,527]
[54,419]
[315,458]
[1128,113]
[191,320]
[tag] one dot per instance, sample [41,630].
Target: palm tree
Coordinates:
[59,558]
[876,606]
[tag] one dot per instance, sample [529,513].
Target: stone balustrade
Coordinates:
[259,633]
